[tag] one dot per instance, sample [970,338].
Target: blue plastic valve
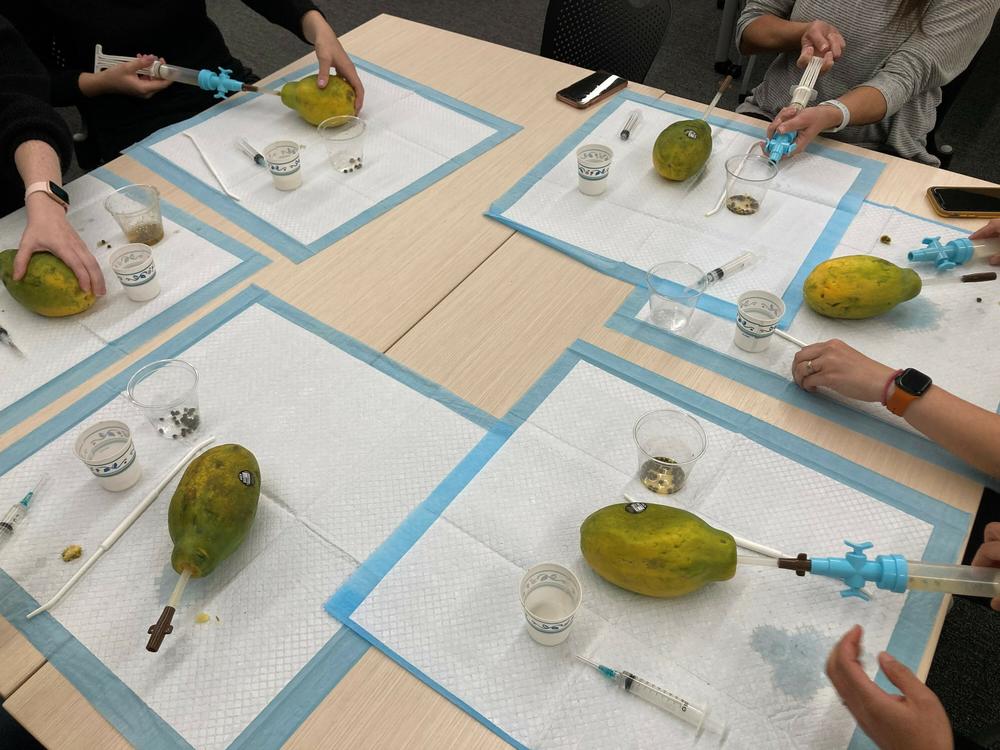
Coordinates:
[946,256]
[780,145]
[856,569]
[219,82]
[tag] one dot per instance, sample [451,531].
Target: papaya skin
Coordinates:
[682,149]
[213,508]
[662,552]
[314,104]
[858,286]
[48,288]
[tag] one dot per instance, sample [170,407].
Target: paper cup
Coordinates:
[757,315]
[550,596]
[285,165]
[134,267]
[593,163]
[106,449]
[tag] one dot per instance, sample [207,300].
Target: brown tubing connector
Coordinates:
[800,564]
[984,276]
[160,629]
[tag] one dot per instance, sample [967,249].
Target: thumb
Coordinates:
[988,555]
[900,676]
[21,263]
[995,260]
[324,72]
[143,61]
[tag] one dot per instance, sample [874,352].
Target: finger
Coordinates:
[907,682]
[992,532]
[828,59]
[995,260]
[93,270]
[134,66]
[21,262]
[988,555]
[325,62]
[808,50]
[836,46]
[73,260]
[992,229]
[359,100]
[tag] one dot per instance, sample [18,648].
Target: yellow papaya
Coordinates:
[213,508]
[48,288]
[858,286]
[682,149]
[656,550]
[315,104]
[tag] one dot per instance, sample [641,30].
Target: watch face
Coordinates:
[59,192]
[913,382]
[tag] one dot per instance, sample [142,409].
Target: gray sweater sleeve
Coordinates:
[754,9]
[952,33]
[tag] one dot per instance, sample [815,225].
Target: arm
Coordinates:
[865,103]
[764,26]
[971,433]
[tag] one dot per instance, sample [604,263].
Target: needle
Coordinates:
[6,339]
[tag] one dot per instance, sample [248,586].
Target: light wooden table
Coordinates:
[484,312]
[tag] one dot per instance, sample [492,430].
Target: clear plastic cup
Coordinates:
[757,316]
[136,208]
[669,444]
[593,164]
[285,165]
[747,182]
[166,392]
[344,136]
[134,267]
[550,596]
[106,449]
[674,289]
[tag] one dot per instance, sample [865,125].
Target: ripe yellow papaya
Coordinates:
[682,149]
[213,508]
[858,286]
[315,104]
[656,550]
[48,288]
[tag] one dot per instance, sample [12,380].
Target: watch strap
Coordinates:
[43,187]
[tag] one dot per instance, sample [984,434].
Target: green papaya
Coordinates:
[213,508]
[48,288]
[858,286]
[315,104]
[656,550]
[682,149]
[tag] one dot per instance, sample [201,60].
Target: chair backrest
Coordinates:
[619,36]
[949,93]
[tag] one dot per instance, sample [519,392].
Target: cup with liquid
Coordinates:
[550,596]
[106,449]
[669,444]
[136,208]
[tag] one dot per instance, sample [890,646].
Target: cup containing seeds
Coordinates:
[166,392]
[748,179]
[136,208]
[669,444]
[344,136]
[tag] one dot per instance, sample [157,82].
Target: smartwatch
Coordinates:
[53,191]
[910,385]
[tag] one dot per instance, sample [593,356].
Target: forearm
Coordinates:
[867,105]
[37,161]
[966,430]
[312,21]
[772,34]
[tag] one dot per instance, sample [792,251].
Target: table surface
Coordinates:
[477,308]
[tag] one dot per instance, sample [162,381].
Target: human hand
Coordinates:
[808,122]
[123,79]
[821,38]
[915,720]
[988,555]
[49,230]
[992,229]
[833,364]
[330,53]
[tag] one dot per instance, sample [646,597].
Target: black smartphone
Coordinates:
[981,203]
[590,90]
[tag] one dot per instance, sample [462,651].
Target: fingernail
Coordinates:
[887,657]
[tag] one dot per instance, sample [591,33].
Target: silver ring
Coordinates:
[809,366]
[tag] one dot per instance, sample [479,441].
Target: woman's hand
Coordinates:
[823,39]
[988,555]
[808,122]
[915,720]
[49,230]
[123,79]
[833,364]
[331,54]
[992,229]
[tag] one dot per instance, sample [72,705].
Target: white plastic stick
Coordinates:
[211,169]
[122,528]
[767,562]
[725,187]
[790,338]
[175,598]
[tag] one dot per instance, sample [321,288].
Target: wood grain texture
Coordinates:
[18,659]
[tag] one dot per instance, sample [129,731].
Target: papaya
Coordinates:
[213,508]
[656,550]
[682,149]
[315,104]
[858,286]
[48,288]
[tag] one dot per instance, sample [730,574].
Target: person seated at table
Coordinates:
[884,61]
[120,107]
[33,140]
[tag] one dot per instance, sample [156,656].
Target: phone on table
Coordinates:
[983,203]
[593,89]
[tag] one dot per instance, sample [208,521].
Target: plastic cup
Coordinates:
[134,267]
[345,142]
[285,165]
[166,392]
[593,162]
[674,289]
[136,208]
[550,596]
[669,444]
[757,315]
[106,449]
[747,182]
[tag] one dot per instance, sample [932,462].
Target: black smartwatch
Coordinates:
[910,385]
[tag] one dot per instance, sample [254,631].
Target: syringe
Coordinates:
[728,269]
[18,511]
[783,144]
[954,253]
[662,699]
[205,79]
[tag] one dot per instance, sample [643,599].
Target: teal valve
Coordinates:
[856,569]
[780,145]
[946,256]
[219,82]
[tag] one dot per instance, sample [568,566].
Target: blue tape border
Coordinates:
[291,248]
[112,698]
[111,352]
[824,246]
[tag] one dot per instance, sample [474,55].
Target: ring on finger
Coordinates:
[809,366]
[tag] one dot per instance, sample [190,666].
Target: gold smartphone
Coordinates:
[965,203]
[590,90]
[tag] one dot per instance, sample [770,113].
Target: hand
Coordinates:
[808,122]
[331,54]
[988,556]
[49,230]
[123,79]
[820,38]
[992,229]
[833,364]
[915,720]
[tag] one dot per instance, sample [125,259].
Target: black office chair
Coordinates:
[619,36]
[949,94]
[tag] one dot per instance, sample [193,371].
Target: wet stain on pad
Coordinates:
[797,659]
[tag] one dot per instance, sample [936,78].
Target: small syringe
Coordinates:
[18,511]
[663,699]
[728,269]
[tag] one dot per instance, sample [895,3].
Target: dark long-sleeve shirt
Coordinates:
[25,113]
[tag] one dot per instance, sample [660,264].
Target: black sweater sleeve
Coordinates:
[286,13]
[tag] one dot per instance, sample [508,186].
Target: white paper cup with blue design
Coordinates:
[757,315]
[593,163]
[285,164]
[134,267]
[550,595]
[106,449]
